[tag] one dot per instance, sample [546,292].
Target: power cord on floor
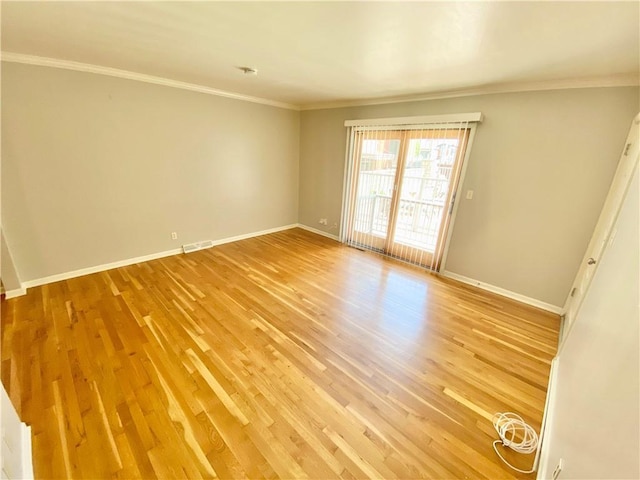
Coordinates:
[516,434]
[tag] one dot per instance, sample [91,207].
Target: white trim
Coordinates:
[26,453]
[144,258]
[99,268]
[16,292]
[618,80]
[140,77]
[505,293]
[318,232]
[547,418]
[254,234]
[563,325]
[418,120]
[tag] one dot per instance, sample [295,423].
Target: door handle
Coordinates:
[591,261]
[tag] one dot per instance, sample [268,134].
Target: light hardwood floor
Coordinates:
[286,355]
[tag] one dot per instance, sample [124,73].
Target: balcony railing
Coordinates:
[419,213]
[417,223]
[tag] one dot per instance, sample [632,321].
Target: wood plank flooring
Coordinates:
[282,356]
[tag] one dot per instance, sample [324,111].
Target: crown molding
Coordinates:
[140,77]
[619,80]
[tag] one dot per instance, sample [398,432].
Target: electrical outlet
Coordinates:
[557,470]
[469,194]
[174,235]
[323,221]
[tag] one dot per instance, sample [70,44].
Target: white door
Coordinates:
[603,232]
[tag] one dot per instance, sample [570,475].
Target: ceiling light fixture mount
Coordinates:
[248,70]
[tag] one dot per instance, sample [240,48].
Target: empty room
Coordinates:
[320,240]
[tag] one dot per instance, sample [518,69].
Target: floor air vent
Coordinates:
[194,247]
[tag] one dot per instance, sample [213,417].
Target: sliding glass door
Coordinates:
[402,191]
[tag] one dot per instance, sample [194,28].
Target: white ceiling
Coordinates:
[309,53]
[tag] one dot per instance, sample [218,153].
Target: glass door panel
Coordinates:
[428,173]
[378,161]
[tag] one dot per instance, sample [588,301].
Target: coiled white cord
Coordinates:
[517,435]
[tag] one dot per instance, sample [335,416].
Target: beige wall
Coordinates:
[593,416]
[540,168]
[98,169]
[8,271]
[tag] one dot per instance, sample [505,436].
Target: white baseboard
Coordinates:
[254,234]
[505,293]
[99,268]
[16,292]
[130,261]
[319,232]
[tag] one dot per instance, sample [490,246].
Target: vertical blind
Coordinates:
[401,177]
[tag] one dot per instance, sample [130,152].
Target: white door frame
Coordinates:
[604,231]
